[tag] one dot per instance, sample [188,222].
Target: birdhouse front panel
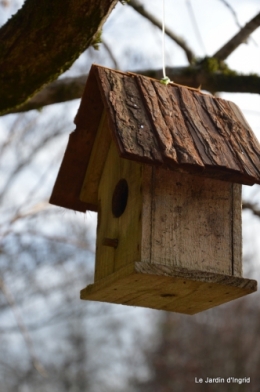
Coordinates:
[193,223]
[163,168]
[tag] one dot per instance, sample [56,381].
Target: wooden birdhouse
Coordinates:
[163,167]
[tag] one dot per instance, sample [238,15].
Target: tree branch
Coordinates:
[43,40]
[252,207]
[178,40]
[233,12]
[67,89]
[238,39]
[110,53]
[62,90]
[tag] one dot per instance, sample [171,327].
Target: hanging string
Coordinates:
[165,79]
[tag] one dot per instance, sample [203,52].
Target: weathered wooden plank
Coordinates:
[71,175]
[128,117]
[126,228]
[69,181]
[173,139]
[251,146]
[202,131]
[191,219]
[163,287]
[240,140]
[237,229]
[147,194]
[218,149]
[164,136]
[89,190]
[185,145]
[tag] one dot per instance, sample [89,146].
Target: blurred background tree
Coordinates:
[50,340]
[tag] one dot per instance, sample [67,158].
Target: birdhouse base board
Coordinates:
[168,288]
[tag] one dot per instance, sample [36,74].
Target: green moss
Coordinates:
[97,40]
[211,65]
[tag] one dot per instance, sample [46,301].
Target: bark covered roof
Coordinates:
[173,126]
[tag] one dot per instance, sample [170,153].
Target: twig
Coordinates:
[238,39]
[233,12]
[252,207]
[110,53]
[178,40]
[195,25]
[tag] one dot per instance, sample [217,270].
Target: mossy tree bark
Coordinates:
[42,41]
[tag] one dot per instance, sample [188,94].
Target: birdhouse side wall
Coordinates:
[118,237]
[191,222]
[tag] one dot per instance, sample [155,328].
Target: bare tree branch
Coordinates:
[67,89]
[233,12]
[247,205]
[178,40]
[238,39]
[62,90]
[195,26]
[110,53]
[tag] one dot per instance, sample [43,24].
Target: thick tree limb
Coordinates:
[67,89]
[178,40]
[238,39]
[43,40]
[61,90]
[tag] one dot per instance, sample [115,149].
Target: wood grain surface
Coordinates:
[167,288]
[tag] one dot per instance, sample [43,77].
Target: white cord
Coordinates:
[163,38]
[165,79]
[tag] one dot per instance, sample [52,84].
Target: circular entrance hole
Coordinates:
[120,196]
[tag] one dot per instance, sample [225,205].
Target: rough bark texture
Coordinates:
[180,127]
[171,126]
[43,40]
[67,89]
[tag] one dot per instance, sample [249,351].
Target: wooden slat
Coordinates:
[251,146]
[89,190]
[174,140]
[237,137]
[197,128]
[237,229]
[128,117]
[191,222]
[126,229]
[71,175]
[163,287]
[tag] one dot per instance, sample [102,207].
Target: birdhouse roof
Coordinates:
[172,126]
